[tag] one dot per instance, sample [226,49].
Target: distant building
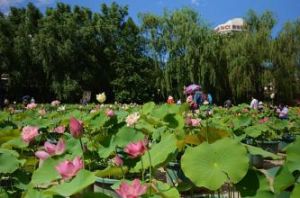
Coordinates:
[233,25]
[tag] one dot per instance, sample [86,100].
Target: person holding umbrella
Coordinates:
[194,91]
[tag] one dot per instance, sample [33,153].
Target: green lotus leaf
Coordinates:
[249,185]
[296,191]
[15,143]
[264,194]
[33,193]
[148,107]
[255,184]
[167,109]
[112,172]
[82,180]
[256,130]
[278,124]
[8,163]
[9,151]
[212,134]
[73,145]
[259,151]
[293,156]
[126,135]
[241,121]
[211,165]
[46,173]
[283,180]
[121,115]
[98,121]
[158,154]
[9,134]
[145,127]
[164,190]
[174,121]
[94,195]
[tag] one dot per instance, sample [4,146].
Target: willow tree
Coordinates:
[178,42]
[287,62]
[246,53]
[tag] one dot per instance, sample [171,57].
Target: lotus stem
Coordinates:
[206,131]
[150,168]
[81,145]
[143,170]
[123,173]
[82,148]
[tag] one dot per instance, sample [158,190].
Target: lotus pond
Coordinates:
[148,151]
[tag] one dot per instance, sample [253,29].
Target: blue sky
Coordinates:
[213,11]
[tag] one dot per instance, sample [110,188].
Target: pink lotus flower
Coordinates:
[68,169]
[136,149]
[109,113]
[76,127]
[59,129]
[117,160]
[192,122]
[55,103]
[51,149]
[132,118]
[42,155]
[29,133]
[133,190]
[195,122]
[31,105]
[57,149]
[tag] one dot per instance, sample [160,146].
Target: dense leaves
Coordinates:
[215,163]
[66,50]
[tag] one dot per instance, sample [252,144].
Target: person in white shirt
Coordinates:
[254,103]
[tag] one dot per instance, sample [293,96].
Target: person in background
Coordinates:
[228,104]
[197,98]
[170,100]
[254,103]
[6,103]
[282,112]
[25,100]
[209,98]
[260,106]
[32,100]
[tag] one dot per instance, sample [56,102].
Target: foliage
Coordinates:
[67,50]
[214,149]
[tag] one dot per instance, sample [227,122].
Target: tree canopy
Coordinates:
[66,50]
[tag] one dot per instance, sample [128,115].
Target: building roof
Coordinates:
[235,24]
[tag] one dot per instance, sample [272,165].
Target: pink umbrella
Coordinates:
[192,88]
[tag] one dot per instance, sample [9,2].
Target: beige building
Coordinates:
[232,25]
